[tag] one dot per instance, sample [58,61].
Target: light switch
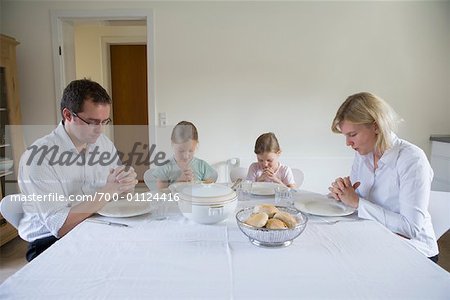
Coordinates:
[162,119]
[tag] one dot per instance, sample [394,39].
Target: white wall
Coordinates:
[240,69]
[89,52]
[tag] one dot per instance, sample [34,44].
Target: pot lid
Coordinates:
[201,190]
[203,193]
[205,190]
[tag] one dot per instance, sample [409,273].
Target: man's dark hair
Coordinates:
[81,90]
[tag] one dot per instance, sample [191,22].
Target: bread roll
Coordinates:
[287,218]
[269,209]
[257,220]
[275,224]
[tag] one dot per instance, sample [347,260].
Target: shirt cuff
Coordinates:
[365,208]
[56,221]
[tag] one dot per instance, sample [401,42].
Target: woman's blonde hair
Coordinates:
[367,109]
[267,142]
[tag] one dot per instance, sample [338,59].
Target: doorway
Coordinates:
[63,42]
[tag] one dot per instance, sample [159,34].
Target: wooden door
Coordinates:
[129,109]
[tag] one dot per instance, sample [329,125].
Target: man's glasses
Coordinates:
[93,123]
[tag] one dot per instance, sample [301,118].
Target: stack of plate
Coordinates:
[6,164]
[204,203]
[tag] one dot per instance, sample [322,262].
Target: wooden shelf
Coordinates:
[11,115]
[6,173]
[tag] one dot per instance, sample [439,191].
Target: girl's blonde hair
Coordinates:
[183,132]
[367,109]
[267,142]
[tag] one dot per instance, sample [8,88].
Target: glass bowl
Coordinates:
[265,237]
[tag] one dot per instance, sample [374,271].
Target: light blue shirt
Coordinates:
[170,172]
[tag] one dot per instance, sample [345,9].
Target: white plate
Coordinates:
[320,205]
[6,164]
[264,188]
[124,208]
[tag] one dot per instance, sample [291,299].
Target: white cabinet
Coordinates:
[440,162]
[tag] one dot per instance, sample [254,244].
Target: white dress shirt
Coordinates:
[397,193]
[62,179]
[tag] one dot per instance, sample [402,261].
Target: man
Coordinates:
[71,173]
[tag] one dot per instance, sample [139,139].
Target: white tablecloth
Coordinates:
[177,258]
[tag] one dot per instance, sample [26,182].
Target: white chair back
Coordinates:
[11,209]
[439,209]
[299,177]
[238,172]
[223,169]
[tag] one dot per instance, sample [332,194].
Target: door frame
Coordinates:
[60,19]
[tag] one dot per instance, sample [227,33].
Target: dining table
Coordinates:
[335,257]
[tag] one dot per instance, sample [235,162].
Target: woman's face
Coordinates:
[361,137]
[184,152]
[268,160]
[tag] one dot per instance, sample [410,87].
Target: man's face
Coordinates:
[91,113]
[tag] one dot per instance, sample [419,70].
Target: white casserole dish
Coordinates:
[205,203]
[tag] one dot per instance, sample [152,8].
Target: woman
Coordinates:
[391,178]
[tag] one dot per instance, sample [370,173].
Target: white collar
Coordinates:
[389,156]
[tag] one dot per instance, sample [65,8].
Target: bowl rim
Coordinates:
[299,225]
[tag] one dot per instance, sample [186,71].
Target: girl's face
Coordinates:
[268,160]
[360,137]
[184,152]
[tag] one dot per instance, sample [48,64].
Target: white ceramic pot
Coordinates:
[205,213]
[205,203]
